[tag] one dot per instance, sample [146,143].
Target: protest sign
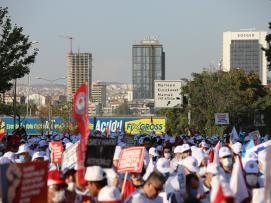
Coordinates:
[69,156]
[131,160]
[100,152]
[56,149]
[25,182]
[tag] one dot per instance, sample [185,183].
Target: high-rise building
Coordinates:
[148,65]
[244,50]
[79,72]
[98,93]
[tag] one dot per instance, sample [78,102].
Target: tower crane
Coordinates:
[70,38]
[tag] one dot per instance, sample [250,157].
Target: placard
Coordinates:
[25,182]
[100,152]
[69,156]
[131,160]
[56,149]
[222,119]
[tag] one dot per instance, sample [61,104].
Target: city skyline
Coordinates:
[191,32]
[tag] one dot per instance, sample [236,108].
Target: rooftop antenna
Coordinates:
[70,38]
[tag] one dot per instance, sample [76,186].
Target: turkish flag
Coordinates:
[80,114]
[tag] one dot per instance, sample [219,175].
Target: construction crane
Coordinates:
[70,38]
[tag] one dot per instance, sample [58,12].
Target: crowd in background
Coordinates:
[176,169]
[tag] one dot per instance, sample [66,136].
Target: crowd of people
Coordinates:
[175,169]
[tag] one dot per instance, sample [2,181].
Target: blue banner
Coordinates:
[36,126]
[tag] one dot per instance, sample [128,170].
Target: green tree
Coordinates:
[232,92]
[268,49]
[15,56]
[123,109]
[177,120]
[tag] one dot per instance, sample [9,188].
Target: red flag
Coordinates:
[221,191]
[80,114]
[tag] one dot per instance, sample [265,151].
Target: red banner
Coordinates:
[56,149]
[26,182]
[131,160]
[80,114]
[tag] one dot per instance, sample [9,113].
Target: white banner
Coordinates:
[167,93]
[222,119]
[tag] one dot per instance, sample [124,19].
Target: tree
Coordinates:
[123,109]
[268,49]
[14,52]
[177,120]
[232,92]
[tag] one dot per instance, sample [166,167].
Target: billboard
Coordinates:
[167,93]
[131,125]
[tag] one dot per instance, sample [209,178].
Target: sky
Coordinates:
[190,32]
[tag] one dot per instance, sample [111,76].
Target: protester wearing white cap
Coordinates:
[226,162]
[163,166]
[202,160]
[109,194]
[10,155]
[153,156]
[252,173]
[96,179]
[236,148]
[38,156]
[23,153]
[190,165]
[177,157]
[186,151]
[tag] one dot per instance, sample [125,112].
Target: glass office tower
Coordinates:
[244,50]
[148,65]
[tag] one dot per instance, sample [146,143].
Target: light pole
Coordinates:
[50,116]
[28,85]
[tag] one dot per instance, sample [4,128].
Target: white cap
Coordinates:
[10,155]
[191,164]
[185,147]
[94,173]
[23,148]
[109,194]
[199,155]
[37,155]
[111,175]
[5,160]
[178,149]
[163,165]
[224,151]
[152,151]
[251,167]
[236,147]
[212,168]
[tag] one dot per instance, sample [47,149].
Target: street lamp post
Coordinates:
[50,112]
[28,85]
